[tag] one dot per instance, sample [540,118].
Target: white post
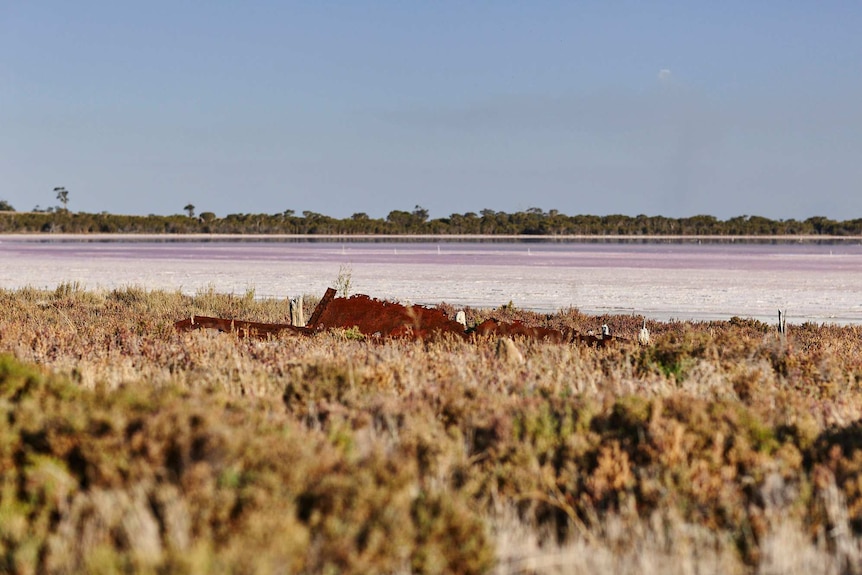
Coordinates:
[297,317]
[461,317]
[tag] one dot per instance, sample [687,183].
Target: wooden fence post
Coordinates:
[297,317]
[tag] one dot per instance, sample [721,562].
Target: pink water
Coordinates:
[820,282]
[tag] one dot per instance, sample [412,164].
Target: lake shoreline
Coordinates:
[27,236]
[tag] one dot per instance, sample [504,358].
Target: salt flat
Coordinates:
[819,283]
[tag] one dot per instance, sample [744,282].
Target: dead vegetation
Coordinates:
[128,447]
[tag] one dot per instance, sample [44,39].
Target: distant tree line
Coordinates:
[533,221]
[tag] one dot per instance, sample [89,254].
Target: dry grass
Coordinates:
[127,447]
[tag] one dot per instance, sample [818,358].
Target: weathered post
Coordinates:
[297,317]
[461,318]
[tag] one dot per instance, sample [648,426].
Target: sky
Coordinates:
[593,107]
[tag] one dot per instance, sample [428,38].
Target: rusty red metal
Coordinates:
[377,319]
[493,327]
[240,327]
[314,320]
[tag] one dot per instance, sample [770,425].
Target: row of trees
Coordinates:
[487,222]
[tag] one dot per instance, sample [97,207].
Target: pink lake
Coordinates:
[687,280]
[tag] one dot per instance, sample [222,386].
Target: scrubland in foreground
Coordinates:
[127,447]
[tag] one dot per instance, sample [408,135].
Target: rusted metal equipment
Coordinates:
[491,327]
[377,319]
[241,328]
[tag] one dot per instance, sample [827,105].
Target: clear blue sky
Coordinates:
[661,108]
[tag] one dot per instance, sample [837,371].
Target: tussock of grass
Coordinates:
[128,447]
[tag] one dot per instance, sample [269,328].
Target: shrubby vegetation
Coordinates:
[531,222]
[128,447]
